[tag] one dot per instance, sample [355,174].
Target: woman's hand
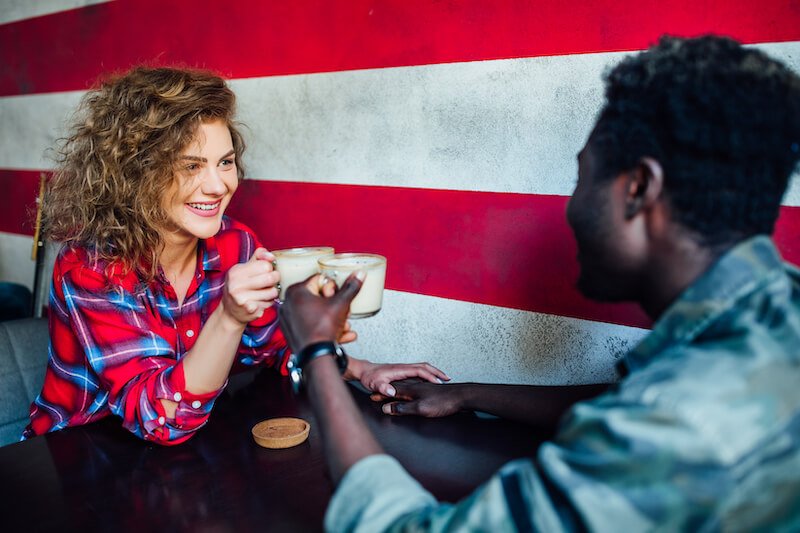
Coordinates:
[414,397]
[348,335]
[378,377]
[250,287]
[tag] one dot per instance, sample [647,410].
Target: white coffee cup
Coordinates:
[339,266]
[297,264]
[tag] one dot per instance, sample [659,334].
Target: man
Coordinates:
[680,184]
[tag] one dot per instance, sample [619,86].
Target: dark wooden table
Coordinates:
[99,477]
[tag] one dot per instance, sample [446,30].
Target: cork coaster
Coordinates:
[281,432]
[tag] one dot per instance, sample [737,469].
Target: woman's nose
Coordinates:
[213,183]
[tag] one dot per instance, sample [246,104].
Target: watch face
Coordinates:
[297,378]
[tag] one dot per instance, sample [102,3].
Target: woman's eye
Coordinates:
[226,162]
[191,167]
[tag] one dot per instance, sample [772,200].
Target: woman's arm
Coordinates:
[248,292]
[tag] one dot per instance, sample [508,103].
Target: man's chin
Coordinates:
[598,291]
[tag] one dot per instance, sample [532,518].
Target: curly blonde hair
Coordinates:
[120,160]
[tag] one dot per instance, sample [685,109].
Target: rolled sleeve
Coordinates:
[374,494]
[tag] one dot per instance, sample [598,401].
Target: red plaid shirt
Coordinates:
[116,344]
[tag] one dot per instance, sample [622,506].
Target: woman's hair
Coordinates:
[120,159]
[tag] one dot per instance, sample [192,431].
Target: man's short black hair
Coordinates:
[724,122]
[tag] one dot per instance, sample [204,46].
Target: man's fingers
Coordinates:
[400,408]
[350,287]
[283,315]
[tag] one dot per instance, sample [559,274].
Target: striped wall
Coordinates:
[441,134]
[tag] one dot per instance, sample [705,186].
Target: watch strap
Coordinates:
[317,349]
[299,360]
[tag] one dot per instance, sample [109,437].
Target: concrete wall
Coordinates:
[440,134]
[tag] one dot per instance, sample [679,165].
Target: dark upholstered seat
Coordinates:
[23,359]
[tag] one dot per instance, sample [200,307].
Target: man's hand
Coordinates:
[250,287]
[414,397]
[538,405]
[308,315]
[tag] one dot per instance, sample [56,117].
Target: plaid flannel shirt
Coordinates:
[117,344]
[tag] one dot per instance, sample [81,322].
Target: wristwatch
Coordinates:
[299,360]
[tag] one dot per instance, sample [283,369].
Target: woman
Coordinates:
[155,293]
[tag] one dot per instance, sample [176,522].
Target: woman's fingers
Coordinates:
[435,371]
[348,336]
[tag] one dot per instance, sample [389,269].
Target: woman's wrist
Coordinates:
[355,369]
[227,321]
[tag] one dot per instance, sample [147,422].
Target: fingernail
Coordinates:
[386,408]
[390,391]
[439,381]
[361,275]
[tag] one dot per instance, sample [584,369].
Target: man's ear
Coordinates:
[644,185]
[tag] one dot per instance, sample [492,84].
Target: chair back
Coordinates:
[48,253]
[23,360]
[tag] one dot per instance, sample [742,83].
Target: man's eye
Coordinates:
[226,162]
[191,167]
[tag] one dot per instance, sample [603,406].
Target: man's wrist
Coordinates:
[304,357]
[321,368]
[464,394]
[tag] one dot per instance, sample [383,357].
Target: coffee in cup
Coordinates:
[297,264]
[339,266]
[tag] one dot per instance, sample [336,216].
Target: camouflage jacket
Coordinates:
[702,434]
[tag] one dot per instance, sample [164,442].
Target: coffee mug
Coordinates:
[338,267]
[297,264]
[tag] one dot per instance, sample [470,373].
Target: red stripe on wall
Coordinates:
[508,250]
[20,189]
[68,50]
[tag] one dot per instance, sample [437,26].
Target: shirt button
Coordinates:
[190,333]
[196,404]
[162,420]
[177,396]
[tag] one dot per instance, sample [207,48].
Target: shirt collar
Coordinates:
[210,254]
[739,272]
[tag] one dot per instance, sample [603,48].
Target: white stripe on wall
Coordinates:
[16,264]
[473,342]
[504,126]
[13,10]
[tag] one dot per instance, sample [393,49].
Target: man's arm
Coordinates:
[345,435]
[307,317]
[542,406]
